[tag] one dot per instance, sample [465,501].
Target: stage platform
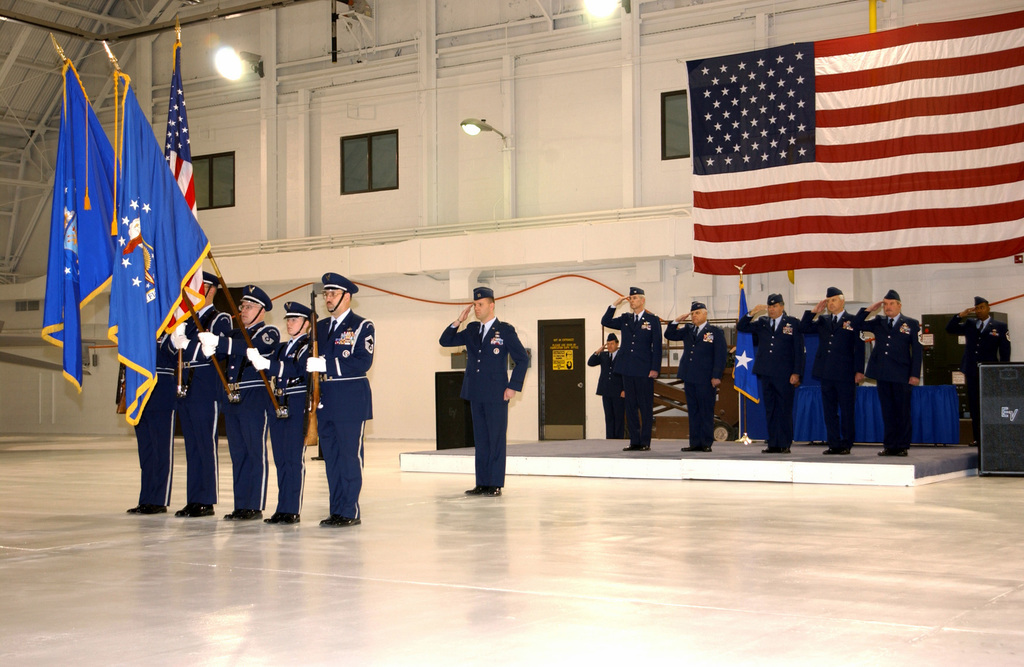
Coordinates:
[729,461]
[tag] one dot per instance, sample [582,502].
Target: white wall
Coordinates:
[565,102]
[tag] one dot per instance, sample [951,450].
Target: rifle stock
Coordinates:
[312,438]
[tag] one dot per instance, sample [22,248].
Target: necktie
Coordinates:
[330,330]
[775,325]
[890,323]
[835,321]
[981,325]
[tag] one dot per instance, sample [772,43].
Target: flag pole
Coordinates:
[745,439]
[281,413]
[201,328]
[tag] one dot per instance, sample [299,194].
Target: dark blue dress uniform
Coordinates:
[345,401]
[895,358]
[155,433]
[639,354]
[247,421]
[200,408]
[780,354]
[287,436]
[703,359]
[609,388]
[986,342]
[839,358]
[484,385]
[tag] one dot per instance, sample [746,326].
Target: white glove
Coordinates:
[209,342]
[257,360]
[178,337]
[316,365]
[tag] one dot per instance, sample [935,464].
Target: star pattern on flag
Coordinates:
[177,126]
[752,111]
[743,361]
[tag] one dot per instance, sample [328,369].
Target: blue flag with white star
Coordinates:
[81,250]
[159,245]
[743,370]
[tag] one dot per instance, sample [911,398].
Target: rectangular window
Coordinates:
[675,126]
[369,162]
[214,177]
[23,306]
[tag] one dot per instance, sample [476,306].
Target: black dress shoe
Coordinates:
[691,448]
[771,450]
[893,452]
[199,509]
[282,517]
[336,520]
[783,450]
[491,491]
[243,515]
[146,508]
[839,452]
[186,510]
[475,491]
[637,448]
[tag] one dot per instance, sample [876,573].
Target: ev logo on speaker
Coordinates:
[1007,412]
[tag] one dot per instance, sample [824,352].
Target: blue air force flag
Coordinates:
[743,370]
[81,250]
[159,245]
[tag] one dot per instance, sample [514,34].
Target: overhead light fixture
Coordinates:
[603,8]
[231,64]
[474,126]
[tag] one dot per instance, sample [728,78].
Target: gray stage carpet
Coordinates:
[729,461]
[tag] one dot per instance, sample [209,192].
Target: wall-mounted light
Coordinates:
[231,64]
[604,8]
[474,126]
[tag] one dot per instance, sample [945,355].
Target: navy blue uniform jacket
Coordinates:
[840,353]
[344,388]
[264,338]
[486,377]
[609,383]
[896,354]
[640,351]
[702,360]
[780,352]
[989,345]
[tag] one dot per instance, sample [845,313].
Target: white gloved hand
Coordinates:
[257,360]
[178,337]
[209,342]
[316,365]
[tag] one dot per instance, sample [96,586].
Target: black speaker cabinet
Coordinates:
[1001,393]
[453,418]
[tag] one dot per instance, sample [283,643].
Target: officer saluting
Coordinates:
[345,341]
[838,365]
[287,365]
[778,364]
[249,406]
[988,341]
[486,384]
[609,388]
[700,369]
[638,362]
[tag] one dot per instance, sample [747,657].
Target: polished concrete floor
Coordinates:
[556,571]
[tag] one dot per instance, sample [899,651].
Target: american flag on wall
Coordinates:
[179,158]
[893,148]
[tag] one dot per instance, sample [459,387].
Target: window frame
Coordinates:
[664,148]
[210,182]
[368,137]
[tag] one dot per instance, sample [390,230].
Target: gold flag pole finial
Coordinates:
[60,51]
[177,28]
[110,54]
[740,267]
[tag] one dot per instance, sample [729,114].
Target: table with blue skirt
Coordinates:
[934,410]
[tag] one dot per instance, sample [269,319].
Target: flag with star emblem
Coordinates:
[179,158]
[159,245]
[743,369]
[893,148]
[81,250]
